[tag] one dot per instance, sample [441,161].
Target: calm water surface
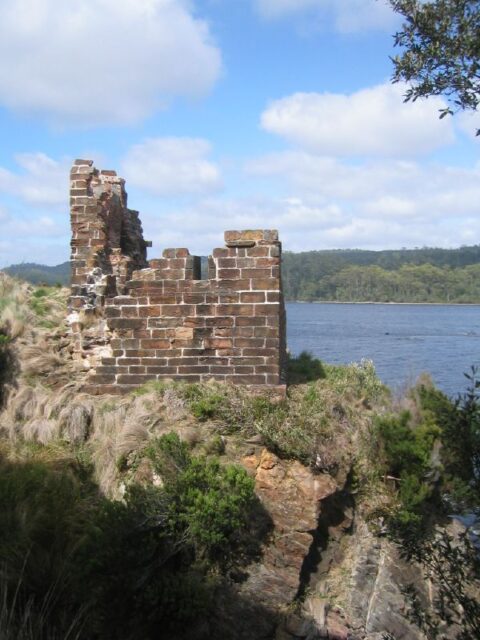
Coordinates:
[402,340]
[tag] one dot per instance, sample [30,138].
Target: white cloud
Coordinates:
[347,15]
[372,121]
[93,62]
[388,203]
[172,167]
[43,181]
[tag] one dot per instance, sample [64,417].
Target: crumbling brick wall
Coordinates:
[107,240]
[161,320]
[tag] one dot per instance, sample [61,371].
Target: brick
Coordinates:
[220,321]
[249,342]
[137,379]
[265,283]
[129,312]
[256,273]
[137,369]
[273,296]
[229,298]
[154,344]
[218,343]
[266,310]
[161,370]
[195,370]
[126,323]
[149,311]
[257,321]
[229,274]
[194,298]
[234,310]
[227,263]
[252,296]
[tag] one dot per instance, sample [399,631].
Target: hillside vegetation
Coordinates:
[406,275]
[139,517]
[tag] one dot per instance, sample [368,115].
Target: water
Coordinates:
[402,340]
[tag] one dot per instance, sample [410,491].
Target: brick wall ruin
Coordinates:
[160,319]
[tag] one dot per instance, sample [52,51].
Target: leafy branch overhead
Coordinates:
[440,44]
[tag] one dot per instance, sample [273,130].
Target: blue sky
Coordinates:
[225,114]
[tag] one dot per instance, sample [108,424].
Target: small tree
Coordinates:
[441,51]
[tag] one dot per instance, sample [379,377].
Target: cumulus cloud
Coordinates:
[172,167]
[347,15]
[372,121]
[390,188]
[41,180]
[94,62]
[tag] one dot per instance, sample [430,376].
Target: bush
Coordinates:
[304,368]
[135,569]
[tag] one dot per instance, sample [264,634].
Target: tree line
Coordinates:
[405,275]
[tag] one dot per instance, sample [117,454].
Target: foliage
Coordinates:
[405,450]
[41,274]
[441,53]
[304,368]
[459,421]
[206,503]
[359,276]
[136,568]
[453,565]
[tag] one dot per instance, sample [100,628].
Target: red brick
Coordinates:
[227,263]
[136,369]
[252,296]
[267,310]
[194,370]
[258,252]
[229,298]
[129,312]
[229,274]
[265,283]
[177,362]
[154,344]
[256,273]
[220,321]
[218,343]
[257,321]
[273,296]
[257,343]
[161,370]
[234,310]
[257,352]
[149,312]
[126,323]
[176,310]
[267,368]
[194,298]
[137,379]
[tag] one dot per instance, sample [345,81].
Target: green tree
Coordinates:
[441,51]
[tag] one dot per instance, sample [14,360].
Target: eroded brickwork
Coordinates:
[160,319]
[107,239]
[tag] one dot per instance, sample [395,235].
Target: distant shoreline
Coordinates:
[434,304]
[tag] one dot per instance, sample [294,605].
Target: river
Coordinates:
[403,340]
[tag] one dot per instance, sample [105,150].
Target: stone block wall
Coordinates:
[161,319]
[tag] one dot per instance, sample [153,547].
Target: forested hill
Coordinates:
[403,275]
[40,273]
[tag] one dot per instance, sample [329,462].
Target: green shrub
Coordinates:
[205,501]
[405,451]
[304,368]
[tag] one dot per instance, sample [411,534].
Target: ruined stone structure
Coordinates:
[160,319]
